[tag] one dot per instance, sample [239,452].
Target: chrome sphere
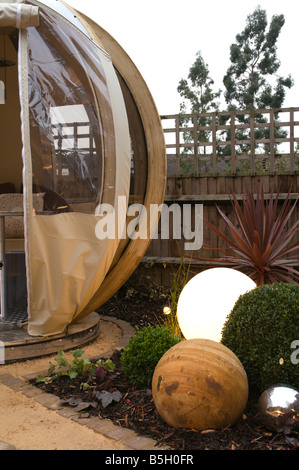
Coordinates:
[279,408]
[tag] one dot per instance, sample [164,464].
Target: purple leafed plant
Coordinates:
[262,246]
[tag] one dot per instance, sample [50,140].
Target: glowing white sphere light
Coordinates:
[207,299]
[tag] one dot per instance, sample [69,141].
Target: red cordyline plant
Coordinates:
[262,245]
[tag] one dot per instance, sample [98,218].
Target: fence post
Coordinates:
[252,145]
[177,142]
[272,140]
[195,132]
[292,142]
[233,143]
[214,138]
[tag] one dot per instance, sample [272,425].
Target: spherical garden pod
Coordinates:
[81,139]
[200,384]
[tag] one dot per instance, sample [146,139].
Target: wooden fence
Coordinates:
[164,256]
[264,141]
[206,163]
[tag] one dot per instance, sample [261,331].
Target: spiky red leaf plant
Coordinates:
[262,245]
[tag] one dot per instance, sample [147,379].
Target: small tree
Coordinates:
[254,58]
[197,91]
[198,97]
[251,82]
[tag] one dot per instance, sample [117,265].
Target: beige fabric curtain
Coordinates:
[65,261]
[18,15]
[64,248]
[65,252]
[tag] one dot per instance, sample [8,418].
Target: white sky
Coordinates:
[162,38]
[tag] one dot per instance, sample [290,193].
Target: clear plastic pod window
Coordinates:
[77,154]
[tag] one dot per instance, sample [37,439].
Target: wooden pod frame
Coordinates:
[131,251]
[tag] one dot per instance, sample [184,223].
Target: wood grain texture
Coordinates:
[200,384]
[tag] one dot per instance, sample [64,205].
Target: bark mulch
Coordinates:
[136,409]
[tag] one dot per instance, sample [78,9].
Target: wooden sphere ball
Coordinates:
[200,384]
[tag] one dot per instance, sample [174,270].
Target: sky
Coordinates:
[162,38]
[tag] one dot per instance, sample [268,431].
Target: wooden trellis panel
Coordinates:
[188,155]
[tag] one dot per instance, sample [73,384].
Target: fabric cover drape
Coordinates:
[65,261]
[18,15]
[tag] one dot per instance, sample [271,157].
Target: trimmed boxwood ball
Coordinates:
[260,330]
[200,384]
[143,353]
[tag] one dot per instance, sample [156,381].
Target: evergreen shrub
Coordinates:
[261,329]
[145,349]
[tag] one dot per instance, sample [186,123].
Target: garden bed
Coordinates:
[136,409]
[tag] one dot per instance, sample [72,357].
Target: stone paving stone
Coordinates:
[49,400]
[88,422]
[106,355]
[119,433]
[127,330]
[17,384]
[13,382]
[140,443]
[30,391]
[81,419]
[101,425]
[6,446]
[121,344]
[68,412]
[5,377]
[34,375]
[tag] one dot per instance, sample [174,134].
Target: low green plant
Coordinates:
[78,365]
[143,353]
[260,330]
